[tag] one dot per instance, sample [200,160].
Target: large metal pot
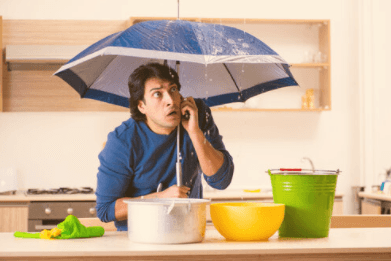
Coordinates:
[167,221]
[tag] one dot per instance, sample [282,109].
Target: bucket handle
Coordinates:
[189,207]
[269,171]
[169,209]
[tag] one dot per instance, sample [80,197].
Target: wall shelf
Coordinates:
[325,65]
[34,50]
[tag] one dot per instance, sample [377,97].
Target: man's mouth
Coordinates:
[172,113]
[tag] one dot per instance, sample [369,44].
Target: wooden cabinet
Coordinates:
[13,216]
[305,44]
[370,207]
[31,87]
[338,207]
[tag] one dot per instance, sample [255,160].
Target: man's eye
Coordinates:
[174,89]
[156,94]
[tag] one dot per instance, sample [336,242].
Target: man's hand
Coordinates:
[191,124]
[174,192]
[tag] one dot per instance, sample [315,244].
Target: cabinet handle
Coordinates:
[48,211]
[92,211]
[70,211]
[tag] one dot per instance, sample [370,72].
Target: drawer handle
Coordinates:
[70,211]
[92,211]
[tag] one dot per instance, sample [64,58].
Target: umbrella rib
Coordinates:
[240,93]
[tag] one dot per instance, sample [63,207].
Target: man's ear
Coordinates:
[141,106]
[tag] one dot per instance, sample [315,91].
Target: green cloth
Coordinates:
[26,234]
[70,228]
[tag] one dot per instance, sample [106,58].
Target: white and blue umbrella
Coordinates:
[219,64]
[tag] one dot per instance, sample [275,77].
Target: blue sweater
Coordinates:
[135,160]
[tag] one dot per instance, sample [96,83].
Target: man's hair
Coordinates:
[137,82]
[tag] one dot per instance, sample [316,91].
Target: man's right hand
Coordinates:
[174,192]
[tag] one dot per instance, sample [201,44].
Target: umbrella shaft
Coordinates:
[178,174]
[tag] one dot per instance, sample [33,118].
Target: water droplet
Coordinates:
[231,41]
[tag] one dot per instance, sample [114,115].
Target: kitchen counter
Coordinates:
[375,203]
[20,196]
[375,195]
[213,195]
[342,244]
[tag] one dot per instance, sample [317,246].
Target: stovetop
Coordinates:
[60,191]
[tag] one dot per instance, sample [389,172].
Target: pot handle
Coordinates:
[169,209]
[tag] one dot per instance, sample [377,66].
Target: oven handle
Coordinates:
[41,227]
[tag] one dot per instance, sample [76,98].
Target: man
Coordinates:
[141,153]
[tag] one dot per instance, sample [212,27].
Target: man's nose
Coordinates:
[168,98]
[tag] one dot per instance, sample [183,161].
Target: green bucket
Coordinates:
[308,196]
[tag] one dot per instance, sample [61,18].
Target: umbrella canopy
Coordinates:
[219,64]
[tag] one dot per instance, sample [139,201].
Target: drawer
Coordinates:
[60,210]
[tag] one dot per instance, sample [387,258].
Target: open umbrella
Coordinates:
[219,64]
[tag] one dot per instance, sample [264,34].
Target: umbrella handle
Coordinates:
[178,174]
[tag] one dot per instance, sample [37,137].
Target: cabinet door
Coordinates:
[338,207]
[371,207]
[13,218]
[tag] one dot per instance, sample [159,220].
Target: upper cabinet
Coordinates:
[34,52]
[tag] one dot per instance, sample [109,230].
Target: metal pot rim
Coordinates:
[302,172]
[167,201]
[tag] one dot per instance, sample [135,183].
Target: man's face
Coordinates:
[161,105]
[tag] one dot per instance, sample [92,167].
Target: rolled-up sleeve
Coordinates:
[223,177]
[113,178]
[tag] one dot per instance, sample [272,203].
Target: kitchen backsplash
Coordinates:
[61,148]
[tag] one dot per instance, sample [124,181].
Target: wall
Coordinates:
[382,92]
[60,149]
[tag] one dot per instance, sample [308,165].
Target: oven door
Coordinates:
[46,215]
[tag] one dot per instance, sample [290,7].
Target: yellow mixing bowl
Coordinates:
[247,221]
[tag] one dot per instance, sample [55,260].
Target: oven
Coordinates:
[48,214]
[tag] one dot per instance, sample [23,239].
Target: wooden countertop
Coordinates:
[374,195]
[353,243]
[20,196]
[214,195]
